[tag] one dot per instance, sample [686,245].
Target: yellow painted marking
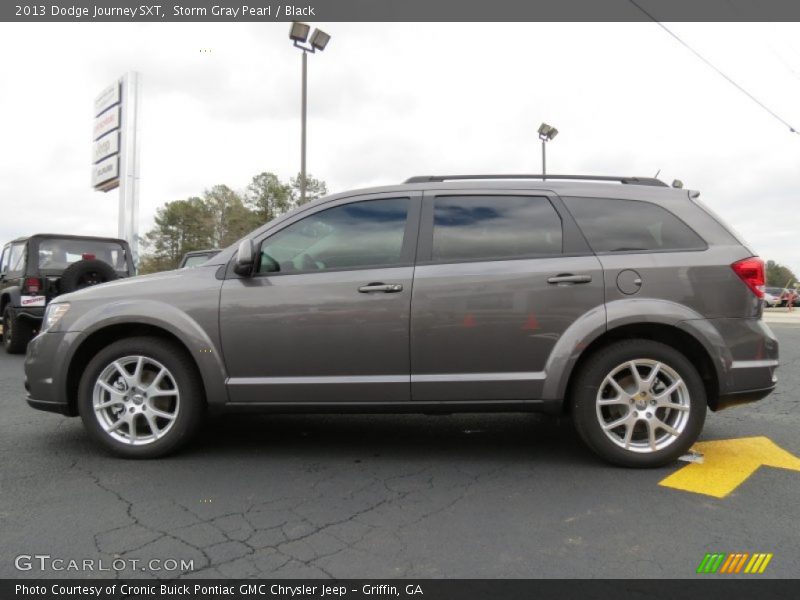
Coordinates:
[729,463]
[765,563]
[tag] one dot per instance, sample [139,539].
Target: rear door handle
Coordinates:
[386,288]
[570,278]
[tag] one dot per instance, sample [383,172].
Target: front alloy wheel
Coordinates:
[638,403]
[141,397]
[136,400]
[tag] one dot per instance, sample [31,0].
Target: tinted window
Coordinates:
[361,234]
[612,225]
[494,227]
[4,260]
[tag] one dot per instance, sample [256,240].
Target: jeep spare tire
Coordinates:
[85,273]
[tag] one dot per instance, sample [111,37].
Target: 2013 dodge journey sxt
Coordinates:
[621,301]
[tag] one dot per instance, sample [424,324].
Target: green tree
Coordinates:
[267,197]
[779,275]
[180,226]
[315,188]
[220,217]
[230,218]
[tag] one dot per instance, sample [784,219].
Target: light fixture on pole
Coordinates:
[546,133]
[299,34]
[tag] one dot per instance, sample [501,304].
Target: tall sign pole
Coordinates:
[129,163]
[115,153]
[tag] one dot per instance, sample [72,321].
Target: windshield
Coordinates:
[58,254]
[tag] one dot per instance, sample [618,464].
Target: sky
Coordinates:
[221,103]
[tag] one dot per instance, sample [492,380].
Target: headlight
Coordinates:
[53,315]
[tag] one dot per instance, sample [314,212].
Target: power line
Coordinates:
[710,64]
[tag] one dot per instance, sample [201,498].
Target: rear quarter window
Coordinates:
[616,225]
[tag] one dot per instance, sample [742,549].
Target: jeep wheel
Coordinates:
[17,332]
[639,403]
[140,397]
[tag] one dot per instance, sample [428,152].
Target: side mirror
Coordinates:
[245,259]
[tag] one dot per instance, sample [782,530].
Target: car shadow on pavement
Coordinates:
[508,437]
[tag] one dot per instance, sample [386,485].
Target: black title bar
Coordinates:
[399,10]
[406,589]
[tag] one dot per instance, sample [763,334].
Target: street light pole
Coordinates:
[318,40]
[546,133]
[303,130]
[544,161]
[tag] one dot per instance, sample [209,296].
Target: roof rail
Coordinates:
[629,180]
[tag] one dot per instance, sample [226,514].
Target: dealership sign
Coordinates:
[106,138]
[105,174]
[115,152]
[106,99]
[105,146]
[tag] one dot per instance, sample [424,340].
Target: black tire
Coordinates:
[17,332]
[584,404]
[85,273]
[181,369]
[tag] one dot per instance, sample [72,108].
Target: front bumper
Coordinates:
[46,372]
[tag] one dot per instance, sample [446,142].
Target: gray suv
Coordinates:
[621,301]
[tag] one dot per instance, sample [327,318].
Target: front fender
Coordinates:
[184,327]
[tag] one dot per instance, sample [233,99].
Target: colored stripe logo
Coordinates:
[735,562]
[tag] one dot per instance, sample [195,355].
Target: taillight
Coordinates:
[32,286]
[751,271]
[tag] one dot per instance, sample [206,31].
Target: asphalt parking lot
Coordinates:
[474,496]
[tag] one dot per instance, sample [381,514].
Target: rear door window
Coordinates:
[615,225]
[484,228]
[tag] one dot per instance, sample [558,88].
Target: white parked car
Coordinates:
[771,300]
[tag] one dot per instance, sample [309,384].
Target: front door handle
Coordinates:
[386,288]
[570,278]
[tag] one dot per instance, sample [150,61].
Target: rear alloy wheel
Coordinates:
[17,332]
[140,398]
[639,403]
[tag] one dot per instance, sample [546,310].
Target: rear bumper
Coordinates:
[752,371]
[745,397]
[744,352]
[34,313]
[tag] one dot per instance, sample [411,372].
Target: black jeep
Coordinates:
[37,268]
